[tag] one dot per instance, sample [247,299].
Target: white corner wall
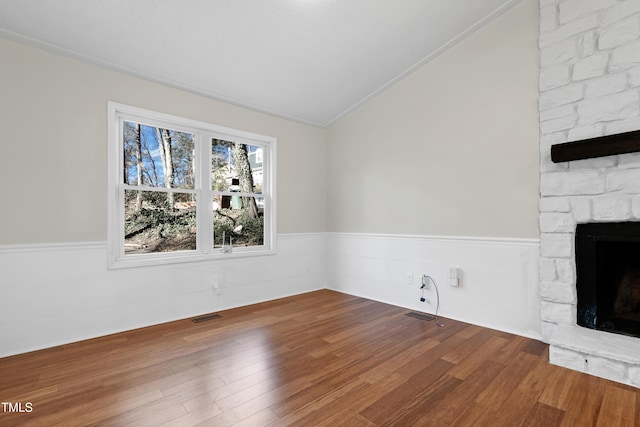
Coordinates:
[55,287]
[499,281]
[441,170]
[449,151]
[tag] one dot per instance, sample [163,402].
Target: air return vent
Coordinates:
[420,316]
[205,317]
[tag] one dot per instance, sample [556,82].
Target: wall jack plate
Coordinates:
[217,288]
[455,276]
[409,279]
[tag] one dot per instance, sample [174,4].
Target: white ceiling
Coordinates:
[308,60]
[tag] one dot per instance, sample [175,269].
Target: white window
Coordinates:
[182,190]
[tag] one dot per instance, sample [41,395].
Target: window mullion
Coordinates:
[205,220]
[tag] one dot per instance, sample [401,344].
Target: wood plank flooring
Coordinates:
[317,359]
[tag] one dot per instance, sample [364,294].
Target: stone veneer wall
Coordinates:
[589,87]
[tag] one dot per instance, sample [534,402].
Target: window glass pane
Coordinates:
[238,221]
[157,157]
[157,221]
[236,166]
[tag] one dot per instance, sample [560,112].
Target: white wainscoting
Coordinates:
[57,294]
[499,285]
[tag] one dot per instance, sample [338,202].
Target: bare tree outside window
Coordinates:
[238,219]
[158,221]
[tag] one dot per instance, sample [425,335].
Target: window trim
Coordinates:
[204,132]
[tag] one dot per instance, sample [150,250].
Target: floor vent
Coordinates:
[420,316]
[205,318]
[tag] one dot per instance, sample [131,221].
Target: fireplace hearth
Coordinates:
[608,277]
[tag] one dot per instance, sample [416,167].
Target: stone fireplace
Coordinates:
[589,87]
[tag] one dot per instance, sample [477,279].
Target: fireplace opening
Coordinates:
[608,276]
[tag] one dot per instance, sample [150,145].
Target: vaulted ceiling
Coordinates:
[312,61]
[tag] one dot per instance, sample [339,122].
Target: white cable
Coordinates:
[437,299]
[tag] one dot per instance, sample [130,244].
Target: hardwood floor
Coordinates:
[317,359]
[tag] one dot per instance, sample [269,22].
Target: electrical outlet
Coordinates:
[409,278]
[425,282]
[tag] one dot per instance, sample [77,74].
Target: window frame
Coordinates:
[203,134]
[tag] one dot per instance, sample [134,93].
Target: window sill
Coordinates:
[149,260]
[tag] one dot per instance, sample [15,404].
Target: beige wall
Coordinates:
[450,150]
[53,166]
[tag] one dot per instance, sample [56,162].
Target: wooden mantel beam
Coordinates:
[628,142]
